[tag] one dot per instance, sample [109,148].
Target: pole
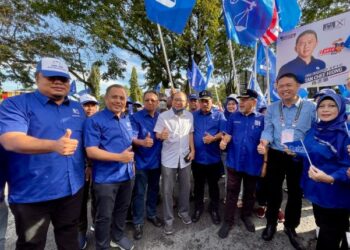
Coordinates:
[165,56]
[236,80]
[267,75]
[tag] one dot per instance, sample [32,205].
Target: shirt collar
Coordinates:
[145,113]
[210,112]
[297,104]
[111,115]
[43,99]
[252,113]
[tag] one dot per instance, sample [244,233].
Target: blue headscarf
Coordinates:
[230,98]
[334,132]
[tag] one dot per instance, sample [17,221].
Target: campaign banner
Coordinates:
[317,53]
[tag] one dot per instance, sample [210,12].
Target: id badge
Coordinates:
[287,135]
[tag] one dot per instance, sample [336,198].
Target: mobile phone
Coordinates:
[186,157]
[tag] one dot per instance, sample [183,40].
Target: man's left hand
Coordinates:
[208,138]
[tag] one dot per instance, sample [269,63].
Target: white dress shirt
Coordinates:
[177,146]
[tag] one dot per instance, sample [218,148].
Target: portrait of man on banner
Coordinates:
[305,63]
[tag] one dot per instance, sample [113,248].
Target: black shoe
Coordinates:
[138,232]
[197,215]
[293,238]
[268,232]
[249,225]
[215,217]
[155,221]
[224,230]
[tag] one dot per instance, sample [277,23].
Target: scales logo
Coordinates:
[167,3]
[241,19]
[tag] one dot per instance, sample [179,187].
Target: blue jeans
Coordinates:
[143,178]
[3,224]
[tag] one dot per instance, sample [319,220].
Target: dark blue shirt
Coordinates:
[299,68]
[324,194]
[43,177]
[212,123]
[142,124]
[242,153]
[110,133]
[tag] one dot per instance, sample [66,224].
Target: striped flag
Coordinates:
[271,33]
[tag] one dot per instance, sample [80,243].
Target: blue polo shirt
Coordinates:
[142,124]
[242,153]
[49,176]
[299,67]
[213,122]
[110,133]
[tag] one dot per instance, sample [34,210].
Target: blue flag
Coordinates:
[73,88]
[158,87]
[171,14]
[253,84]
[344,91]
[303,93]
[296,147]
[347,43]
[196,78]
[247,20]
[289,14]
[262,63]
[210,65]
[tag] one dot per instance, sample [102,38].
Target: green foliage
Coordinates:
[135,91]
[94,79]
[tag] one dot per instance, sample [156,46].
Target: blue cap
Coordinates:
[205,94]
[52,67]
[193,97]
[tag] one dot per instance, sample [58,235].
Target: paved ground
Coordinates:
[203,235]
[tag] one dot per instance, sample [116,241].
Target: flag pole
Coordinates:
[267,74]
[236,80]
[165,55]
[256,61]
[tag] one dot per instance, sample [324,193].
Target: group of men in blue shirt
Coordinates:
[48,134]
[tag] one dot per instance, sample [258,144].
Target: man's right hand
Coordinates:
[127,155]
[148,141]
[223,144]
[165,134]
[65,145]
[262,147]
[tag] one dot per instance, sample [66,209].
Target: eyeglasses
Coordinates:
[58,78]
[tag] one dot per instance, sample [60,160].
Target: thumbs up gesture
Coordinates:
[208,138]
[127,155]
[65,145]
[165,134]
[148,141]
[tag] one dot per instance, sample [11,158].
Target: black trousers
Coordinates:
[112,202]
[83,220]
[33,219]
[333,223]
[281,166]
[202,174]
[234,180]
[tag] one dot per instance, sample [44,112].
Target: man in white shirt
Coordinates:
[175,128]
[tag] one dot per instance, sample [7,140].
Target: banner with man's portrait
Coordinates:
[317,53]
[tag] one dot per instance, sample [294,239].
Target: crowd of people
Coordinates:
[57,152]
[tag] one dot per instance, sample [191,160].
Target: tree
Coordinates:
[27,33]
[94,79]
[135,91]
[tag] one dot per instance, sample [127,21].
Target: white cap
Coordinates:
[87,98]
[52,67]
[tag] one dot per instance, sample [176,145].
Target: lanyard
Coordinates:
[296,118]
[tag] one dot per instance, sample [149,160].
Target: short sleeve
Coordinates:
[13,116]
[92,133]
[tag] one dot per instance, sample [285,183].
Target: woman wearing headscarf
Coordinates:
[324,181]
[231,105]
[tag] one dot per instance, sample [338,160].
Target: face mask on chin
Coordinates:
[178,111]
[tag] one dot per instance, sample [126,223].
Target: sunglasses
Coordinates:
[58,78]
